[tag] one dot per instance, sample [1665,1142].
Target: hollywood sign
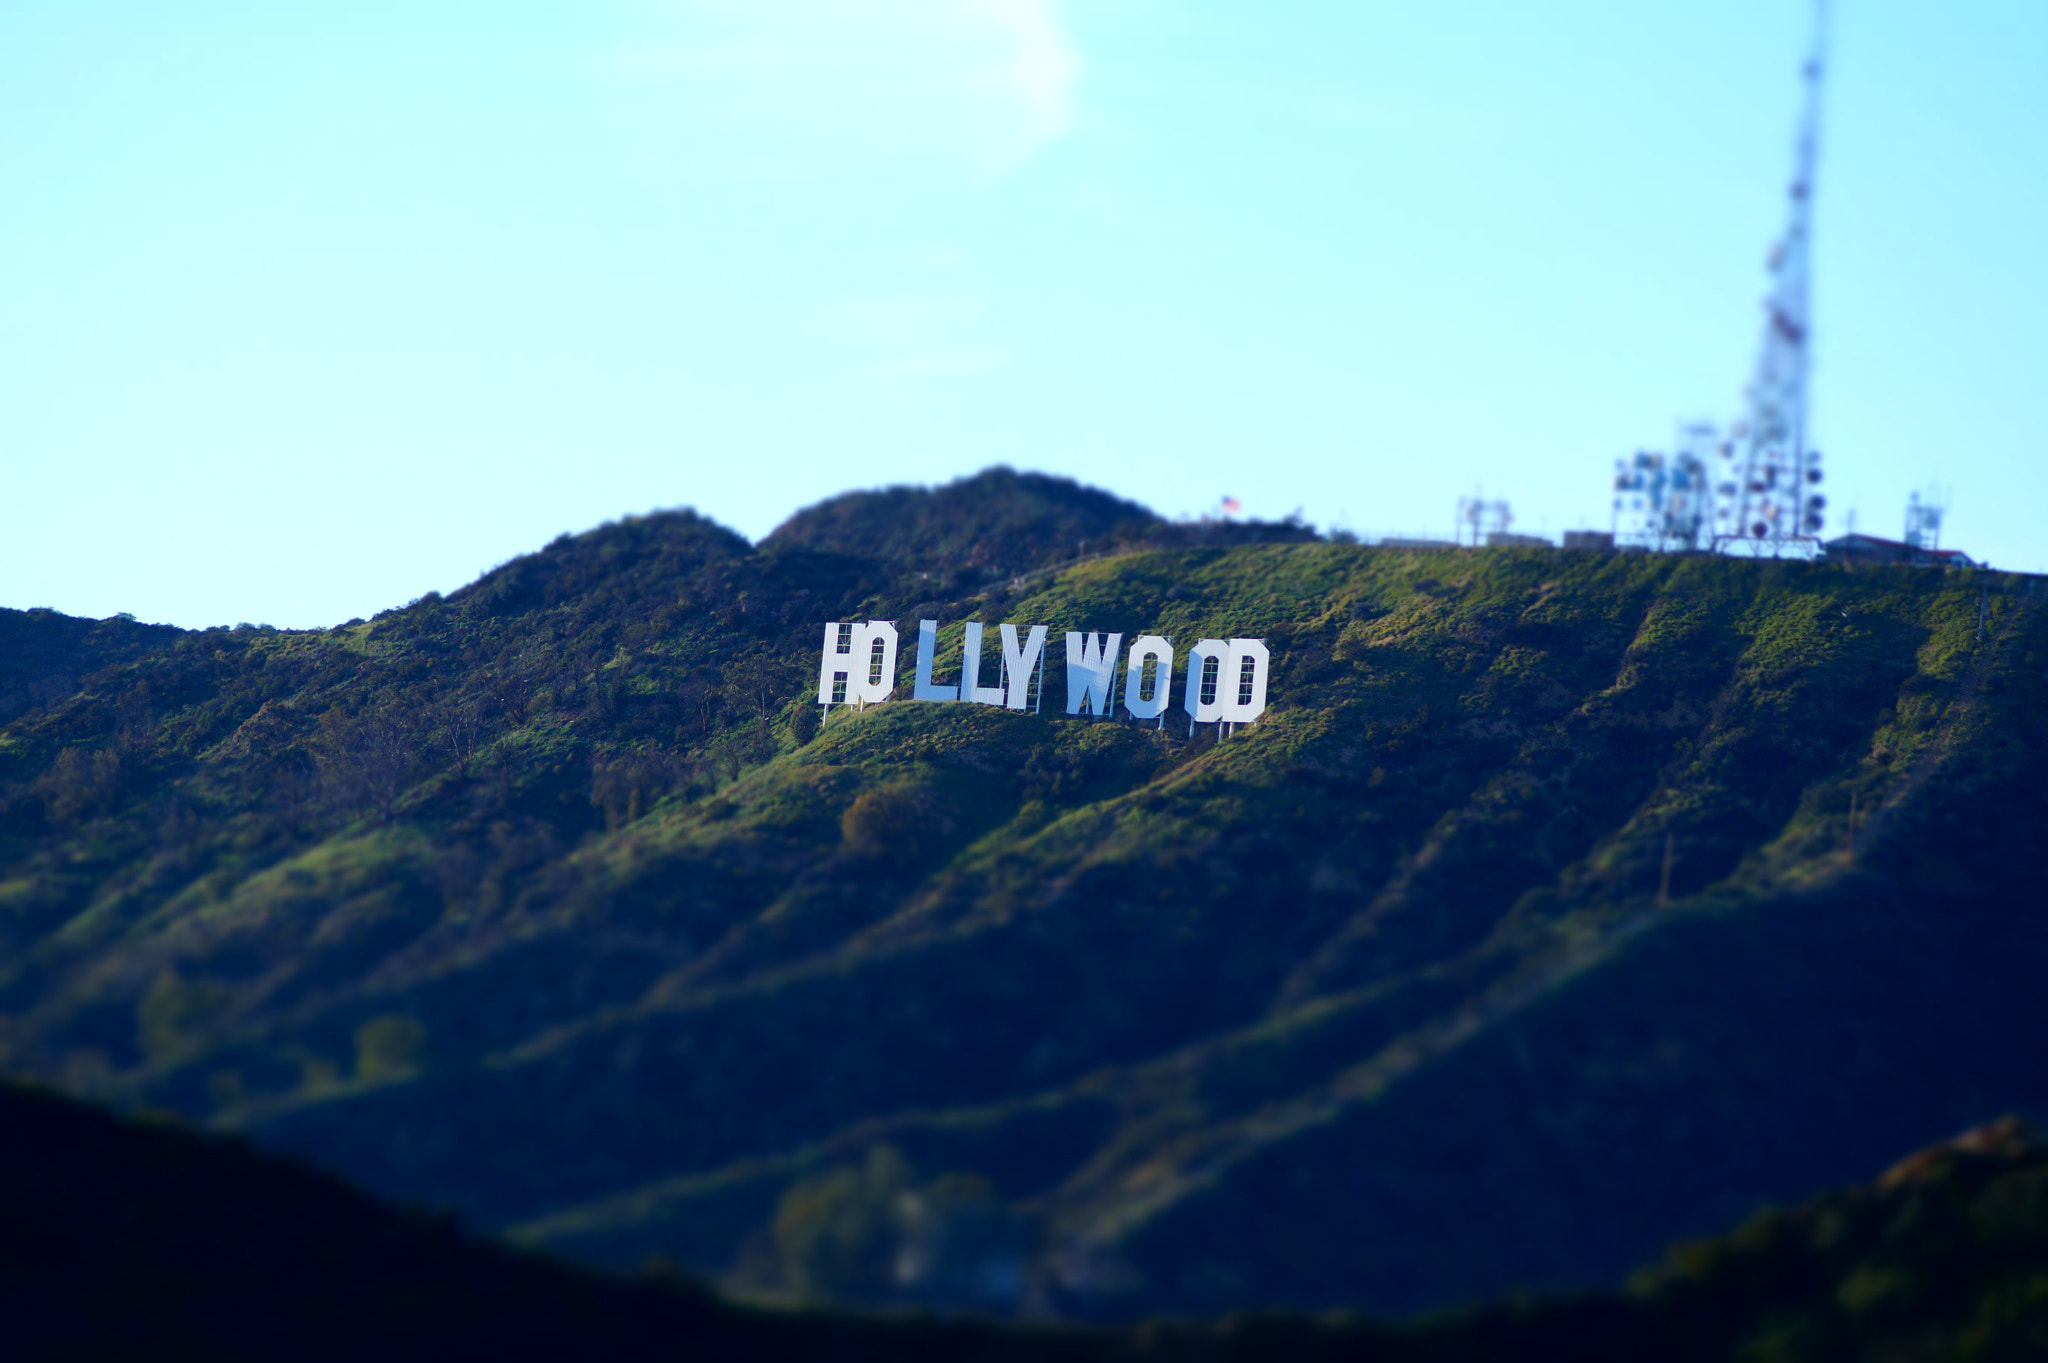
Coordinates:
[1224,681]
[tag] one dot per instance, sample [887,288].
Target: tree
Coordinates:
[79,783]
[463,733]
[367,760]
[836,1235]
[758,685]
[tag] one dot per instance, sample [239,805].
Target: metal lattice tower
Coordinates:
[1923,522]
[1484,519]
[1771,500]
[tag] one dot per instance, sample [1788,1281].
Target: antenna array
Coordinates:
[1663,501]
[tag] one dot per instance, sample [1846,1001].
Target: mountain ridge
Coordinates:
[550,901]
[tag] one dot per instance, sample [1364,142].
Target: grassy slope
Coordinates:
[1374,1004]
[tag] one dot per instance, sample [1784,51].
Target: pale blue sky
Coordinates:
[306,310]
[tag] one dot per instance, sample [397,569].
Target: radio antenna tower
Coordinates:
[1772,503]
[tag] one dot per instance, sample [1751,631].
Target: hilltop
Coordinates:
[1561,906]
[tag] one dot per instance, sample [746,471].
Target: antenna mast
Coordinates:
[1772,503]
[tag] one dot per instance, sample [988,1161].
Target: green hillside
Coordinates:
[1525,934]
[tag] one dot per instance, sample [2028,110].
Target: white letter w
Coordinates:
[1091,672]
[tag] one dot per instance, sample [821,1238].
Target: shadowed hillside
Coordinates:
[120,1240]
[130,1241]
[43,654]
[1562,906]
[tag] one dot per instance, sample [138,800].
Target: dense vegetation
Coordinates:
[1562,906]
[120,1240]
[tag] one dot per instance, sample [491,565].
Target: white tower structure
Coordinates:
[1770,501]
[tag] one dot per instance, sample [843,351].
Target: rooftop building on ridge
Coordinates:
[1855,548]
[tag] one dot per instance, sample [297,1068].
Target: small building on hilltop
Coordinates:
[1858,549]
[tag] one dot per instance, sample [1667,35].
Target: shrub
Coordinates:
[886,825]
[390,1047]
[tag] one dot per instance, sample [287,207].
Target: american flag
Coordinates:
[1231,506]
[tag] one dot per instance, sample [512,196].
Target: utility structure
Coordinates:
[1483,520]
[1923,522]
[1771,501]
[1663,502]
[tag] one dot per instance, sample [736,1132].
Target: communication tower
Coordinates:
[1770,500]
